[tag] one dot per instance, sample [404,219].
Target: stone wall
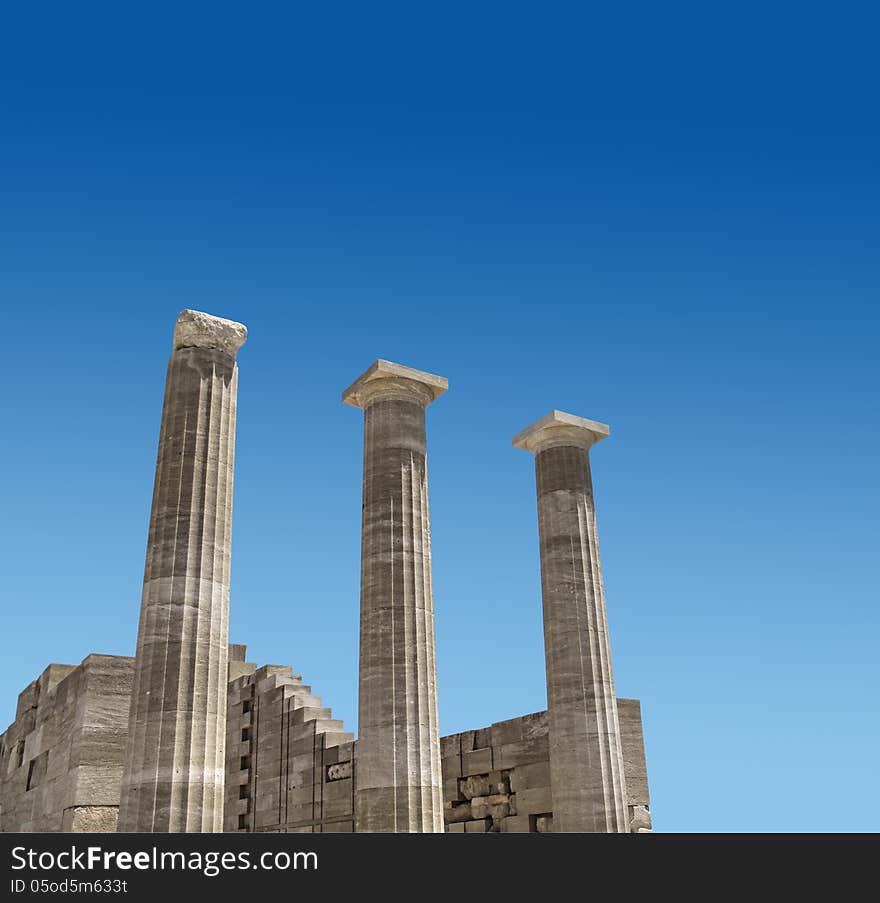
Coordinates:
[290,766]
[61,759]
[288,761]
[497,779]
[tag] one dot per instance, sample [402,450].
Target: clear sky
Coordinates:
[662,216]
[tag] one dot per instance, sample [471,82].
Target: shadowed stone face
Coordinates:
[586,760]
[398,763]
[175,762]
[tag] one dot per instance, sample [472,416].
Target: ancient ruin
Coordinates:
[189,736]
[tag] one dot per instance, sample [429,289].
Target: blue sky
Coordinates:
[663,218]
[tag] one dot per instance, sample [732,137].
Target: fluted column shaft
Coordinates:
[398,778]
[586,755]
[174,770]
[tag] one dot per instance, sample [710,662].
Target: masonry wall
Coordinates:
[61,759]
[290,766]
[289,762]
[497,779]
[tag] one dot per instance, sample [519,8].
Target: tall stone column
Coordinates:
[398,779]
[175,760]
[586,756]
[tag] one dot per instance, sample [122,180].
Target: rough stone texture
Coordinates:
[398,778]
[289,764]
[174,767]
[629,714]
[61,759]
[586,759]
[288,761]
[195,329]
[516,796]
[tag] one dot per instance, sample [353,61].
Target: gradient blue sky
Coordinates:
[665,217]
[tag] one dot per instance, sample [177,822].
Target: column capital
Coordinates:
[558,428]
[195,329]
[386,380]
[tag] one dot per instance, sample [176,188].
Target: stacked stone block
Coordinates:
[61,759]
[289,762]
[497,779]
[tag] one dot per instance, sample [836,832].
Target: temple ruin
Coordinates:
[189,736]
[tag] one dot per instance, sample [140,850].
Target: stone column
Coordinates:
[398,780]
[175,760]
[586,757]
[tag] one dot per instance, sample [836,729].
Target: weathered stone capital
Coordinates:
[195,329]
[559,428]
[387,381]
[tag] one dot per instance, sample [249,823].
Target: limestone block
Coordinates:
[477,762]
[481,826]
[335,808]
[516,824]
[451,767]
[485,784]
[482,738]
[27,699]
[510,731]
[455,828]
[95,785]
[629,714]
[534,802]
[523,752]
[497,806]
[450,746]
[456,813]
[299,795]
[91,819]
[240,669]
[640,820]
[339,772]
[336,737]
[530,777]
[534,725]
[336,790]
[304,745]
[451,790]
[52,676]
[499,782]
[475,786]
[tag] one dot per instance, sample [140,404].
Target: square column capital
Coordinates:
[558,428]
[386,380]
